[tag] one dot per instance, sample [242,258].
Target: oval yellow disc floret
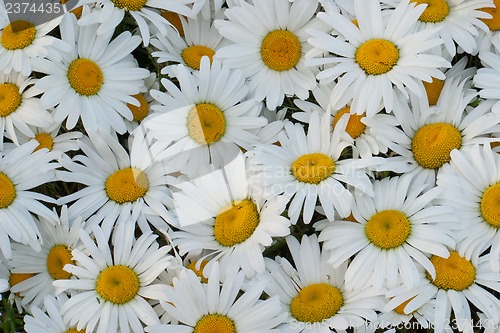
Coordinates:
[10,99]
[494,22]
[377,56]
[490,205]
[388,229]
[7,191]
[281,50]
[44,141]
[206,123]
[313,168]
[117,284]
[436,10]
[354,125]
[139,112]
[126,185]
[454,272]
[192,55]
[236,223]
[131,5]
[214,323]
[433,90]
[400,309]
[316,302]
[85,77]
[18,35]
[198,272]
[58,257]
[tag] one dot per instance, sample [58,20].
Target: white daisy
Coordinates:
[313,293]
[397,317]
[95,80]
[269,44]
[119,185]
[213,306]
[487,78]
[59,239]
[12,280]
[224,214]
[370,59]
[472,189]
[458,282]
[310,167]
[114,282]
[21,41]
[205,116]
[20,106]
[489,39]
[21,169]
[395,231]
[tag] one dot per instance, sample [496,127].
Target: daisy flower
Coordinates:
[397,317]
[19,106]
[395,231]
[95,80]
[200,39]
[489,39]
[114,285]
[428,135]
[224,214]
[309,167]
[486,79]
[212,306]
[21,169]
[471,187]
[375,55]
[458,281]
[144,12]
[12,279]
[59,239]
[21,41]
[118,185]
[269,44]
[313,293]
[205,116]
[50,321]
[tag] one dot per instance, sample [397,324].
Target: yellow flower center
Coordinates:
[354,126]
[433,90]
[44,141]
[280,50]
[494,22]
[316,302]
[214,323]
[455,272]
[16,278]
[198,272]
[377,56]
[74,330]
[127,185]
[59,255]
[78,11]
[490,205]
[236,223]
[206,123]
[117,284]
[436,10]
[7,191]
[388,229]
[18,35]
[131,5]
[10,99]
[313,168]
[85,76]
[140,112]
[433,143]
[174,19]
[192,55]
[401,307]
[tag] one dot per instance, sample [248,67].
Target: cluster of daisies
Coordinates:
[252,166]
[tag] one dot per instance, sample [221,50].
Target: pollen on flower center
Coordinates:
[16,278]
[206,123]
[74,330]
[313,168]
[400,309]
[236,222]
[131,5]
[117,284]
[433,90]
[280,50]
[85,76]
[494,22]
[433,143]
[454,272]
[174,19]
[316,302]
[7,191]
[377,56]
[139,112]
[18,35]
[127,185]
[354,126]
[490,205]
[192,55]
[198,272]
[10,99]
[44,141]
[59,256]
[436,10]
[214,323]
[388,229]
